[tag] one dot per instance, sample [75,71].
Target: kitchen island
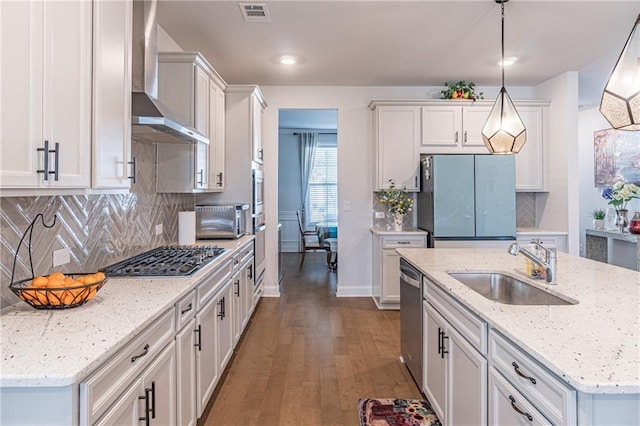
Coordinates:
[48,354]
[592,346]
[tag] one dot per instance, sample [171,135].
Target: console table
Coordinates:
[615,248]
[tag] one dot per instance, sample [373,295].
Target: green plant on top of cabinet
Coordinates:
[396,133]
[45,126]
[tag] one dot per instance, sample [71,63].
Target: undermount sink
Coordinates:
[506,289]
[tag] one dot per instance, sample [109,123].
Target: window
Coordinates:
[322,198]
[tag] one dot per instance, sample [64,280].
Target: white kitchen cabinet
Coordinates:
[242,290]
[396,135]
[507,406]
[46,94]
[224,324]
[450,129]
[455,373]
[126,410]
[186,375]
[207,372]
[217,142]
[112,165]
[181,167]
[386,263]
[257,109]
[159,382]
[532,162]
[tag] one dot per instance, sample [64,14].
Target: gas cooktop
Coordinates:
[166,261]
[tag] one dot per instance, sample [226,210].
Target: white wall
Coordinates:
[354,168]
[558,210]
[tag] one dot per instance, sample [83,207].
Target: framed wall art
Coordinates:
[616,157]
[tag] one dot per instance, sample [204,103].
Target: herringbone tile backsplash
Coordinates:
[98,229]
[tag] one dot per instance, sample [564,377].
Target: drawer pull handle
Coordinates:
[237,292]
[190,307]
[144,352]
[403,242]
[219,183]
[516,367]
[199,332]
[134,165]
[515,407]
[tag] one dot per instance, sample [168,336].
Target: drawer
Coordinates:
[466,323]
[209,286]
[408,241]
[246,252]
[106,384]
[507,406]
[551,396]
[185,309]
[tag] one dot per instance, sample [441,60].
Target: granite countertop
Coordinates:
[61,347]
[594,346]
[616,235]
[405,231]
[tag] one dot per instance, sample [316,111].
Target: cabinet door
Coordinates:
[390,291]
[466,382]
[217,176]
[159,381]
[127,410]
[397,147]
[67,90]
[473,120]
[531,174]
[441,126]
[224,323]
[248,293]
[435,362]
[186,375]
[201,100]
[237,290]
[21,25]
[207,372]
[256,129]
[507,406]
[201,166]
[111,94]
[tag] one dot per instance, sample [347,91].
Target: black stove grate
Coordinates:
[166,261]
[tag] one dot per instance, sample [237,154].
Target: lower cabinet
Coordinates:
[151,398]
[224,326]
[186,374]
[206,354]
[508,406]
[455,376]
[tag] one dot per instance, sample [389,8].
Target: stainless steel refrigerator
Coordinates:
[467,197]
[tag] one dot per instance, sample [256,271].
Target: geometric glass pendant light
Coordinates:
[504,131]
[620,103]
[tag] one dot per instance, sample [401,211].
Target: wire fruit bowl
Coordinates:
[55,291]
[77,289]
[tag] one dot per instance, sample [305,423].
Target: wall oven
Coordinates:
[258,191]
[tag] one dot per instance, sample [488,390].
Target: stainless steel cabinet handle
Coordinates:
[201,175]
[516,367]
[219,183]
[144,352]
[56,161]
[190,307]
[45,169]
[198,331]
[519,411]
[134,166]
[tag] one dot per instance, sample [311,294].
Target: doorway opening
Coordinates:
[308,177]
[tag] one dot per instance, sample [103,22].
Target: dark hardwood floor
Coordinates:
[307,357]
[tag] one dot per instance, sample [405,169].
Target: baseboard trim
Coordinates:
[353,291]
[269,291]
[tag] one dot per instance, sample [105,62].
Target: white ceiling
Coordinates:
[404,43]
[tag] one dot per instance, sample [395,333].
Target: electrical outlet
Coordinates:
[61,257]
[379,215]
[159,229]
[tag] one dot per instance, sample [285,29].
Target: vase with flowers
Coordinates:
[619,195]
[398,202]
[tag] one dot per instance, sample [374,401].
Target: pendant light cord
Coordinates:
[502,43]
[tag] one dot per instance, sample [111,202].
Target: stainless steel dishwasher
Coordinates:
[411,320]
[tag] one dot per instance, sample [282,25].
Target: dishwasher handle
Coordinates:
[409,280]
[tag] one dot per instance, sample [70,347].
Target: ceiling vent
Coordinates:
[254,12]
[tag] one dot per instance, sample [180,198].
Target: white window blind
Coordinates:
[322,198]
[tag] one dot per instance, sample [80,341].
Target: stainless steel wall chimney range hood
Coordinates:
[150,119]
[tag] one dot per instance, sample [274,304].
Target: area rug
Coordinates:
[396,412]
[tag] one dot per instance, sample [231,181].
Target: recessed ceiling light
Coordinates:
[288,60]
[508,61]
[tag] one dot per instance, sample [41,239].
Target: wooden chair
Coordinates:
[308,237]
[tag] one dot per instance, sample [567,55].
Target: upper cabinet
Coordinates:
[192,89]
[113,166]
[404,129]
[396,146]
[45,123]
[257,109]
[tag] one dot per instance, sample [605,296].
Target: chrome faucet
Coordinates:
[548,263]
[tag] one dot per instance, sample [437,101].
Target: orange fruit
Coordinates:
[39,281]
[90,279]
[57,275]
[56,297]
[100,276]
[41,295]
[68,281]
[92,293]
[67,297]
[56,283]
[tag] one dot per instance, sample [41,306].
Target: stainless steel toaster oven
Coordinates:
[221,221]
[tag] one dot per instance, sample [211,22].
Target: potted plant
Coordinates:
[598,219]
[398,201]
[461,90]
